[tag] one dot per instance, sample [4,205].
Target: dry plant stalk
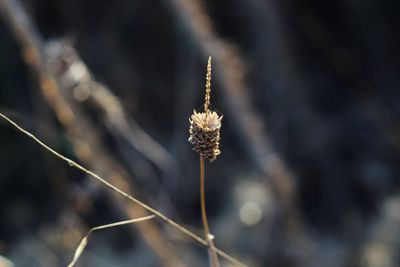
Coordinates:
[82,245]
[123,194]
[204,136]
[32,46]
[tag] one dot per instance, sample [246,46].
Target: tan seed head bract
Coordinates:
[205,126]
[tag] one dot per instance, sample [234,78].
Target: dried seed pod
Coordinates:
[205,126]
[205,134]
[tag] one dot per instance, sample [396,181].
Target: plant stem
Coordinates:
[203,200]
[124,194]
[208,237]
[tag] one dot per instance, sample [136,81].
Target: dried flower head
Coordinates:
[205,126]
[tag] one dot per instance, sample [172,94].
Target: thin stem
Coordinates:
[203,200]
[122,193]
[208,237]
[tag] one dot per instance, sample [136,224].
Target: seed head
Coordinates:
[205,126]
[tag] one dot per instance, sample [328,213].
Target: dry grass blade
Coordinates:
[79,130]
[124,194]
[82,245]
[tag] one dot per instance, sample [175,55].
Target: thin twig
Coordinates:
[122,193]
[211,253]
[203,199]
[78,128]
[84,240]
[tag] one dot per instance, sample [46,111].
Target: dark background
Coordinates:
[308,174]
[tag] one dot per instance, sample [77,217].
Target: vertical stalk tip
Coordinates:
[208,86]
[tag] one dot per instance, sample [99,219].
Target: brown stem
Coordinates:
[123,194]
[208,237]
[203,200]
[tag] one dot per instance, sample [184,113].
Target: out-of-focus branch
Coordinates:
[32,46]
[79,131]
[84,138]
[75,78]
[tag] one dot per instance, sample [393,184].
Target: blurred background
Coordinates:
[309,170]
